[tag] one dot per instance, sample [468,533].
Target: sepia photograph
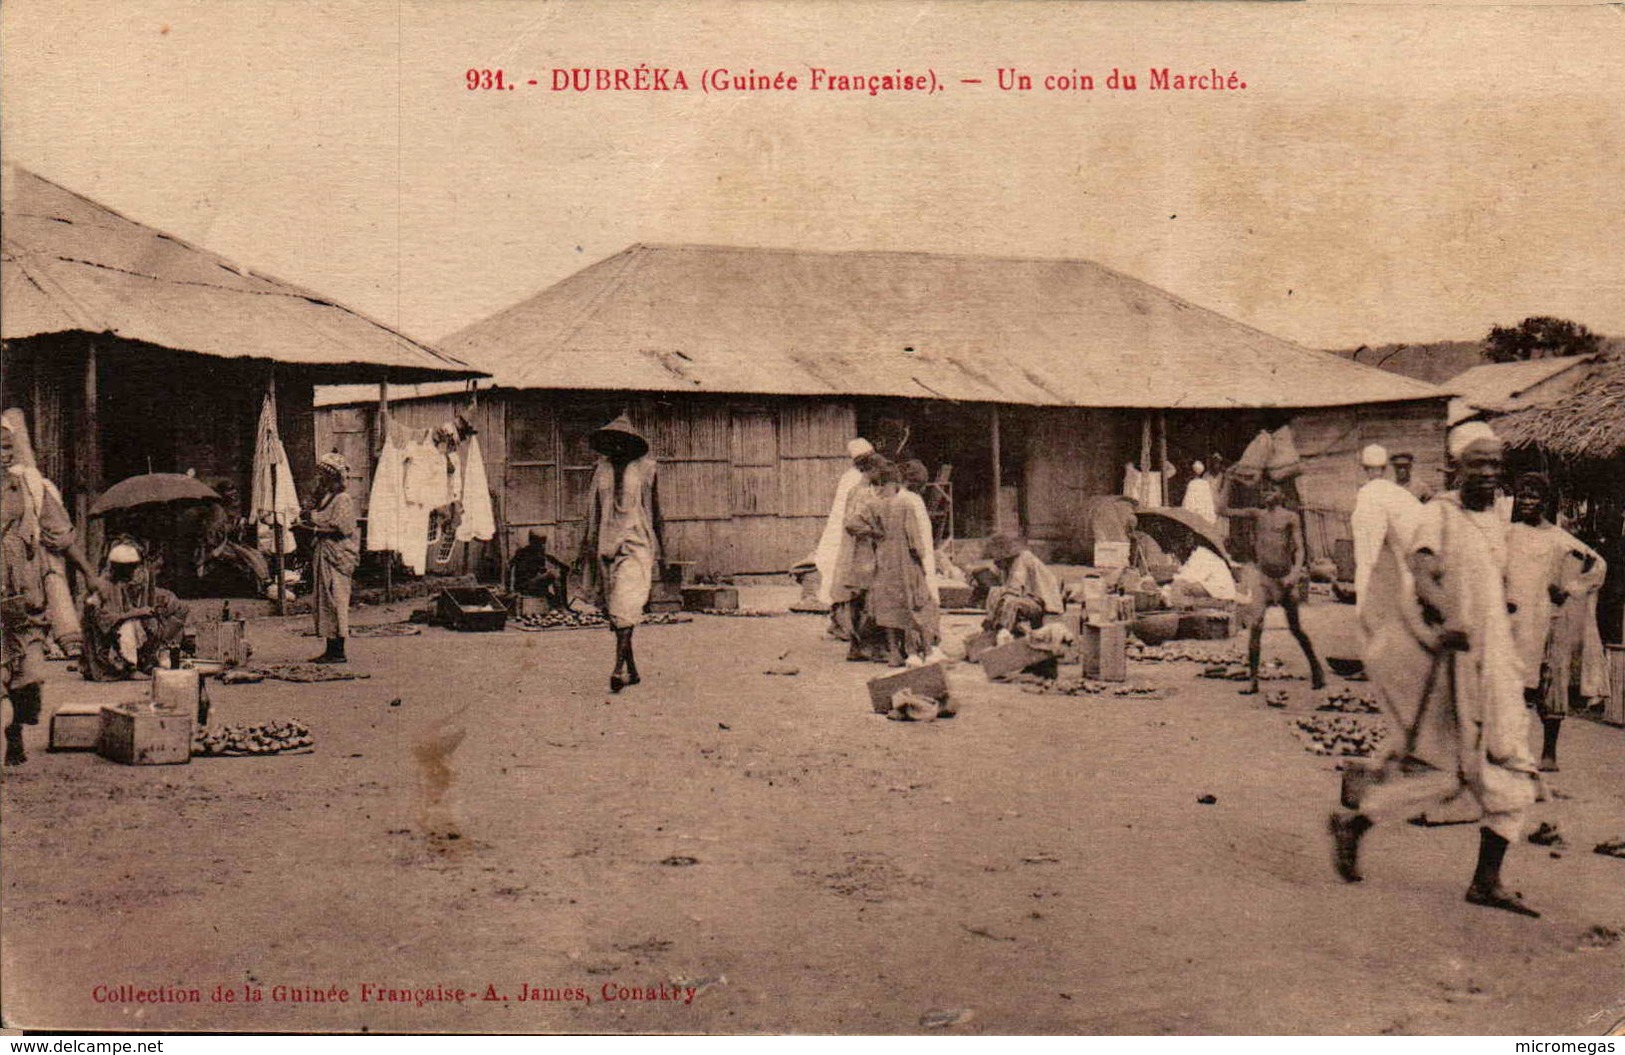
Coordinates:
[813,518]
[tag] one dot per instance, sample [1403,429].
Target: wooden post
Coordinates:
[383,441]
[276,516]
[1162,465]
[89,446]
[1145,452]
[998,480]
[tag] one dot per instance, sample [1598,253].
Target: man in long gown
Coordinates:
[622,544]
[34,525]
[834,552]
[1439,651]
[336,551]
[1545,565]
[900,601]
[1381,507]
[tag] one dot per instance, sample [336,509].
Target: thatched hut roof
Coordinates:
[1588,423]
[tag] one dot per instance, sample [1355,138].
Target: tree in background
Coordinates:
[1539,337]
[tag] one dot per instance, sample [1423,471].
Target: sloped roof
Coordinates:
[68,264]
[1508,386]
[766,321]
[1589,422]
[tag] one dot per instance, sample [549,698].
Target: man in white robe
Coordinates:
[1382,508]
[827,557]
[1440,653]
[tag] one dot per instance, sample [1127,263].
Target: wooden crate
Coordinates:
[704,598]
[473,609]
[1001,661]
[929,680]
[223,641]
[140,737]
[1103,650]
[76,727]
[955,596]
[979,643]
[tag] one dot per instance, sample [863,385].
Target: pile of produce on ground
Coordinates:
[266,738]
[300,672]
[569,619]
[1210,652]
[1087,687]
[1340,735]
[742,613]
[1347,701]
[1612,848]
[1269,670]
[401,629]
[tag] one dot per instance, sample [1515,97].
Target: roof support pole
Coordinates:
[383,441]
[1162,461]
[1145,452]
[998,480]
[276,518]
[88,449]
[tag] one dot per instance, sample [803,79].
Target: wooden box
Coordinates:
[929,680]
[476,609]
[76,727]
[1103,650]
[1001,661]
[950,597]
[977,644]
[716,598]
[223,641]
[138,736]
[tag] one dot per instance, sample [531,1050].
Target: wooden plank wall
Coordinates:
[744,487]
[1071,455]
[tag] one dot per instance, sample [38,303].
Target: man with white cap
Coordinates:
[1199,494]
[835,545]
[1440,653]
[1383,511]
[132,620]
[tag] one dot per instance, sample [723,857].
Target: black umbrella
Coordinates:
[152,489]
[1175,528]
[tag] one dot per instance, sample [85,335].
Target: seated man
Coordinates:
[132,621]
[1203,581]
[1027,591]
[536,573]
[225,566]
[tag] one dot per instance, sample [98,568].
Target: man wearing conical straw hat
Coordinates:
[622,544]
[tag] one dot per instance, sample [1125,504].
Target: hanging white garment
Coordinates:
[386,501]
[423,491]
[478,522]
[272,496]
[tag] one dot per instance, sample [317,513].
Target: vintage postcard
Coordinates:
[817,517]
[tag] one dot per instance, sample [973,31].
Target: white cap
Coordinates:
[1198,468]
[1467,434]
[1374,456]
[124,553]
[858,448]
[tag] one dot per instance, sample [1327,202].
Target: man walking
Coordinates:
[622,544]
[1440,653]
[1280,552]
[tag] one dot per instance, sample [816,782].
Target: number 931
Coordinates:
[484,80]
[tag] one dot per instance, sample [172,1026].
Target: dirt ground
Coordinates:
[1041,862]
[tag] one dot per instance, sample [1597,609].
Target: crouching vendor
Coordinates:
[1026,592]
[133,620]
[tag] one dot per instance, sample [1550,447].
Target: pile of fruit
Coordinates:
[266,738]
[1049,687]
[1269,670]
[1347,701]
[741,613]
[1340,735]
[1211,652]
[570,619]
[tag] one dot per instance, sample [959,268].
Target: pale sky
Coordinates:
[1390,173]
